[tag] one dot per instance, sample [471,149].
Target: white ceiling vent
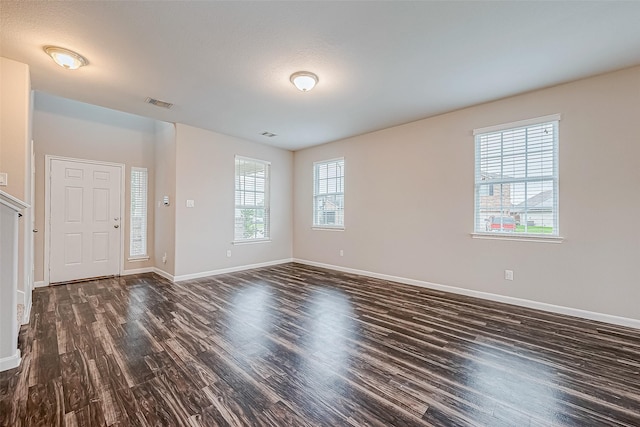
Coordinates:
[158,103]
[268,134]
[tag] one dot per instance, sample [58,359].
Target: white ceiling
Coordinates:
[226,65]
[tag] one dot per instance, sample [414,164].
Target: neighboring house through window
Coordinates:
[516,177]
[138,229]
[328,194]
[251,200]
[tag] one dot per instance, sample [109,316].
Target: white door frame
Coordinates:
[47,207]
[29,227]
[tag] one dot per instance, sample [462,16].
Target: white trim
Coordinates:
[30,239]
[249,242]
[328,161]
[325,228]
[138,258]
[251,159]
[10,362]
[569,311]
[518,237]
[47,206]
[40,284]
[163,273]
[229,270]
[47,218]
[518,124]
[138,271]
[12,202]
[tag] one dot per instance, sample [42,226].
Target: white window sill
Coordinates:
[540,238]
[138,258]
[250,242]
[327,228]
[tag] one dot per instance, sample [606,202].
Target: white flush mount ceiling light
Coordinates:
[304,80]
[66,58]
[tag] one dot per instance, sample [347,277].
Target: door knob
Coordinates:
[35,230]
[116,226]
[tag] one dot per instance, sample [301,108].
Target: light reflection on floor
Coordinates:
[329,325]
[492,376]
[252,316]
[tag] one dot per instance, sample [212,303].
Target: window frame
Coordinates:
[145,218]
[267,202]
[553,237]
[316,195]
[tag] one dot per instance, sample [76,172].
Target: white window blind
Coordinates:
[328,194]
[138,236]
[516,178]
[251,200]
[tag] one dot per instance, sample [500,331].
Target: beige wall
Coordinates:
[15,96]
[205,173]
[66,128]
[426,170]
[165,216]
[15,137]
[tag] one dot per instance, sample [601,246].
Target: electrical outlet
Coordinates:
[508,274]
[228,253]
[4,179]
[341,252]
[164,258]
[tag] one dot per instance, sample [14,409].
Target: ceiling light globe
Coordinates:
[304,80]
[66,58]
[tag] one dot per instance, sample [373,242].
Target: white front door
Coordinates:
[85,220]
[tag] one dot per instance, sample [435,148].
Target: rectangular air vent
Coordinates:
[268,134]
[158,103]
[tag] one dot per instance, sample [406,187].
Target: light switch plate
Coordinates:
[190,203]
[3,179]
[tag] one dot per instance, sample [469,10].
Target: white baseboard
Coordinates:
[40,284]
[576,312]
[138,271]
[183,277]
[164,274]
[10,362]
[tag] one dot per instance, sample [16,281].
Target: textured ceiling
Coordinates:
[226,65]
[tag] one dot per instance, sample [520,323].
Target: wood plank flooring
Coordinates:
[294,345]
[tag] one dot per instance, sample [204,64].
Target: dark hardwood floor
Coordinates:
[294,345]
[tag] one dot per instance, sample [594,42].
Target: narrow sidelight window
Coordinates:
[138,234]
[252,200]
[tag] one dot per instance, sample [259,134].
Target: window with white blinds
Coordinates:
[328,194]
[516,177]
[138,229]
[251,200]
